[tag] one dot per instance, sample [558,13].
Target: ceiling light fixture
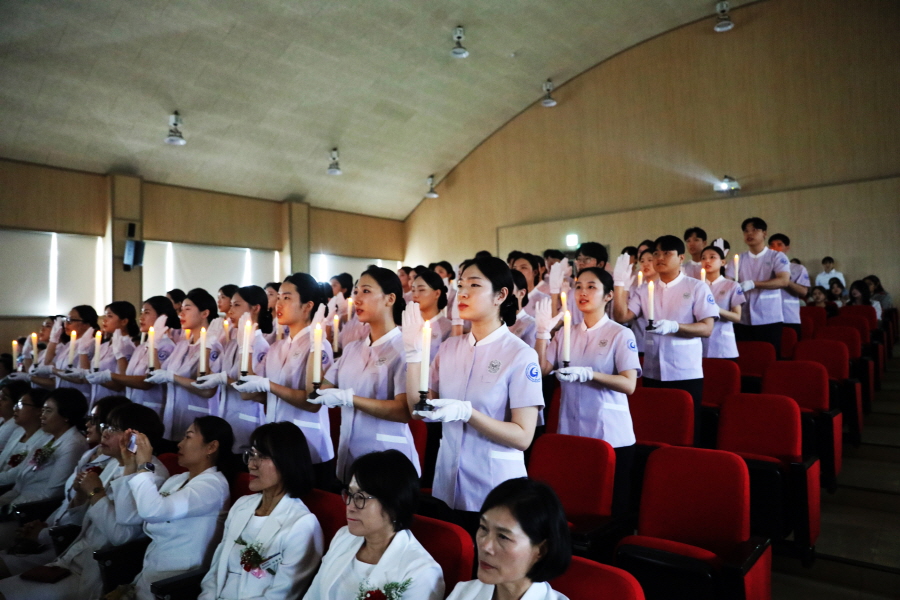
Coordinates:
[723,22]
[459,34]
[548,101]
[175,137]
[728,185]
[334,167]
[431,193]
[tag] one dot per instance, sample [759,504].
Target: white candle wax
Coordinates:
[245,350]
[151,352]
[203,349]
[34,349]
[73,337]
[702,274]
[335,330]
[567,336]
[317,354]
[98,339]
[15,353]
[349,309]
[562,300]
[737,264]
[640,278]
[426,357]
[650,297]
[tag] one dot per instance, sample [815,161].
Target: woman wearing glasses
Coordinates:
[120,333]
[271,531]
[83,321]
[376,550]
[26,418]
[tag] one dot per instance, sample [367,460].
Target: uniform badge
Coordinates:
[710,299]
[632,346]
[687,296]
[213,355]
[494,366]
[162,355]
[260,357]
[533,373]
[603,343]
[380,362]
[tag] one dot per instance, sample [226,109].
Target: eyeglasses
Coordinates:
[71,320]
[19,405]
[110,429]
[254,456]
[359,499]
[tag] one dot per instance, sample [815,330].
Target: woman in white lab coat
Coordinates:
[271,531]
[120,334]
[376,548]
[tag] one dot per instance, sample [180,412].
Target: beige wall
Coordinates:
[802,93]
[348,234]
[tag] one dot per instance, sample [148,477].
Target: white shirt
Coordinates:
[535,296]
[45,482]
[721,343]
[524,328]
[244,415]
[475,590]
[823,278]
[182,405]
[155,397]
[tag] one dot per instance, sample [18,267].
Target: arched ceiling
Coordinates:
[267,88]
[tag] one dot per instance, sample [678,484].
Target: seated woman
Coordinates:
[523,542]
[182,518]
[10,392]
[271,531]
[861,296]
[27,434]
[878,293]
[376,551]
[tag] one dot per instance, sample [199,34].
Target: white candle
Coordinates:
[203,349]
[34,349]
[702,274]
[73,337]
[335,330]
[562,300]
[245,350]
[151,353]
[98,339]
[650,295]
[426,357]
[640,278]
[225,325]
[737,264]
[143,337]
[349,308]
[15,352]
[567,336]
[317,354]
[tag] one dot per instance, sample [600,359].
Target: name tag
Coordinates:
[272,562]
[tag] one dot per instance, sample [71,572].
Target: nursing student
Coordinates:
[603,369]
[729,298]
[120,332]
[683,311]
[485,388]
[82,320]
[282,381]
[431,294]
[528,266]
[524,328]
[797,287]
[695,241]
[648,274]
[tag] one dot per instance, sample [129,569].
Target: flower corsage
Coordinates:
[253,561]
[391,591]
[15,459]
[42,456]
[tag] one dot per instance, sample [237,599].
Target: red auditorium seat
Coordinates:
[765,430]
[240,486]
[877,334]
[815,316]
[754,359]
[788,343]
[846,392]
[589,580]
[693,539]
[170,460]
[721,378]
[334,424]
[862,367]
[419,431]
[449,545]
[553,410]
[329,509]
[807,383]
[873,351]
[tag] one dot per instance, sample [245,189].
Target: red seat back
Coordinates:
[696,496]
[866,312]
[832,354]
[170,460]
[721,378]
[420,438]
[553,410]
[861,324]
[589,580]
[804,381]
[815,314]
[788,342]
[334,424]
[662,416]
[449,545]
[765,424]
[848,336]
[584,486]
[329,509]
[755,357]
[240,486]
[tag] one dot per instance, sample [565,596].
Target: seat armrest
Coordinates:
[180,587]
[62,536]
[36,511]
[121,564]
[742,558]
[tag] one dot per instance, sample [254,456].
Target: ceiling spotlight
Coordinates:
[431,193]
[728,185]
[724,22]
[548,100]
[175,137]
[459,34]
[334,167]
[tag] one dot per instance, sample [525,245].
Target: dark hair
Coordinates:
[630,251]
[796,261]
[39,395]
[392,479]
[204,301]
[667,243]
[105,406]
[603,275]
[535,266]
[721,254]
[125,310]
[500,277]
[435,282]
[594,250]
[648,243]
[218,429]
[6,361]
[163,306]
[325,291]
[345,280]
[272,284]
[483,254]
[389,283]
[16,389]
[140,418]
[553,253]
[71,405]
[756,222]
[521,284]
[827,259]
[227,290]
[256,296]
[863,289]
[286,445]
[431,266]
[645,251]
[405,269]
[514,256]
[539,512]
[780,237]
[694,231]
[876,282]
[836,281]
[451,274]
[177,296]
[88,315]
[308,289]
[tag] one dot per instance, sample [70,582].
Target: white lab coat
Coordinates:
[46,482]
[475,590]
[290,530]
[404,558]
[16,447]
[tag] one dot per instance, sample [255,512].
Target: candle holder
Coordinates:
[422,405]
[203,374]
[315,392]
[242,381]
[96,369]
[650,325]
[565,364]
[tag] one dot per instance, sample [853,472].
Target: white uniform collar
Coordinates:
[435,318]
[521,314]
[493,337]
[383,339]
[761,252]
[603,320]
[717,281]
[534,291]
[302,332]
[671,283]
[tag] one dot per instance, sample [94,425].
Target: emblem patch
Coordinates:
[213,355]
[162,355]
[260,357]
[533,373]
[494,366]
[378,363]
[632,346]
[687,296]
[710,299]
[603,343]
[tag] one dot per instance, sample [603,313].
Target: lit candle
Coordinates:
[737,264]
[203,349]
[650,297]
[34,349]
[15,353]
[702,274]
[317,354]
[349,308]
[151,352]
[143,337]
[187,335]
[567,336]
[335,330]
[245,350]
[98,339]
[562,300]
[640,278]
[73,337]
[426,357]
[226,324]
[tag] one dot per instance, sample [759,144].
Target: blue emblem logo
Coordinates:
[533,373]
[740,291]
[260,357]
[162,355]
[213,355]
[710,299]
[784,261]
[632,346]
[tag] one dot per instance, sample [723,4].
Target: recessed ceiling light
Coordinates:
[175,137]
[334,167]
[431,193]
[459,34]
[548,101]
[723,22]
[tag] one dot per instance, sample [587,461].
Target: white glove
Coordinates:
[720,244]
[447,410]
[27,349]
[99,377]
[42,370]
[622,272]
[251,384]
[160,376]
[333,397]
[454,312]
[412,332]
[748,285]
[572,374]
[337,306]
[159,327]
[318,319]
[664,327]
[56,332]
[558,275]
[545,323]
[84,343]
[216,331]
[116,344]
[19,376]
[208,382]
[76,373]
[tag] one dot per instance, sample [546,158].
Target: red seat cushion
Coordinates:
[674,547]
[761,424]
[584,578]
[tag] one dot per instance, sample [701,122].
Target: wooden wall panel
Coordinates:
[348,234]
[50,199]
[299,215]
[801,93]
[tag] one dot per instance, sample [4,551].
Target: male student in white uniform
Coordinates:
[796,289]
[695,240]
[828,273]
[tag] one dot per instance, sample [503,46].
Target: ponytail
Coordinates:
[254,295]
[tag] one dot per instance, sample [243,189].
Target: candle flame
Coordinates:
[203,330]
[318,327]
[151,330]
[15,344]
[98,335]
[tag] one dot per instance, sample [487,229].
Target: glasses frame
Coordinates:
[253,455]
[359,499]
